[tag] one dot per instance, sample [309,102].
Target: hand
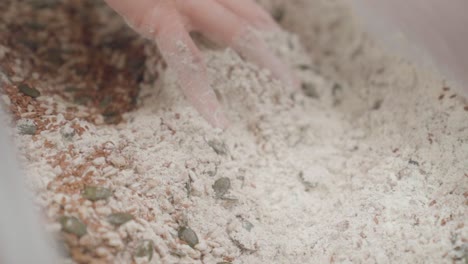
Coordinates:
[228,22]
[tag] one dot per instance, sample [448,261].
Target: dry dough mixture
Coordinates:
[368,164]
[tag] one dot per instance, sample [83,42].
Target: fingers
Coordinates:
[231,30]
[252,13]
[159,20]
[185,59]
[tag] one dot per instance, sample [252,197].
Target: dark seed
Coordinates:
[119,219]
[247,225]
[221,186]
[28,90]
[27,127]
[309,90]
[82,100]
[188,188]
[71,89]
[278,13]
[304,67]
[105,101]
[73,225]
[112,118]
[68,133]
[41,4]
[219,147]
[35,26]
[145,249]
[188,236]
[30,44]
[55,56]
[94,193]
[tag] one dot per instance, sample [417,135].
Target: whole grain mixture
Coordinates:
[367,164]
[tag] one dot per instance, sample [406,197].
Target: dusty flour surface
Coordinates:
[369,164]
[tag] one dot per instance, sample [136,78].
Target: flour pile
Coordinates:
[368,164]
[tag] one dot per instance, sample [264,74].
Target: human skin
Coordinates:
[227,22]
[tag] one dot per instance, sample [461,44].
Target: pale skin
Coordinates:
[227,22]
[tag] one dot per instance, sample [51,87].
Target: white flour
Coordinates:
[373,168]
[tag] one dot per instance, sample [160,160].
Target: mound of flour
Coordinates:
[367,165]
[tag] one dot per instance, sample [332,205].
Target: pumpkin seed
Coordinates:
[28,90]
[309,90]
[145,249]
[247,225]
[73,225]
[187,235]
[218,146]
[26,127]
[68,132]
[221,186]
[35,26]
[278,13]
[112,119]
[42,4]
[55,56]
[303,67]
[188,188]
[105,101]
[30,44]
[119,219]
[95,193]
[82,100]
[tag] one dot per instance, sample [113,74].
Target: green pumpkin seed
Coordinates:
[35,26]
[112,118]
[278,13]
[105,101]
[73,225]
[30,44]
[82,100]
[145,249]
[309,90]
[119,219]
[219,147]
[28,90]
[27,127]
[304,67]
[95,193]
[187,235]
[221,186]
[247,225]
